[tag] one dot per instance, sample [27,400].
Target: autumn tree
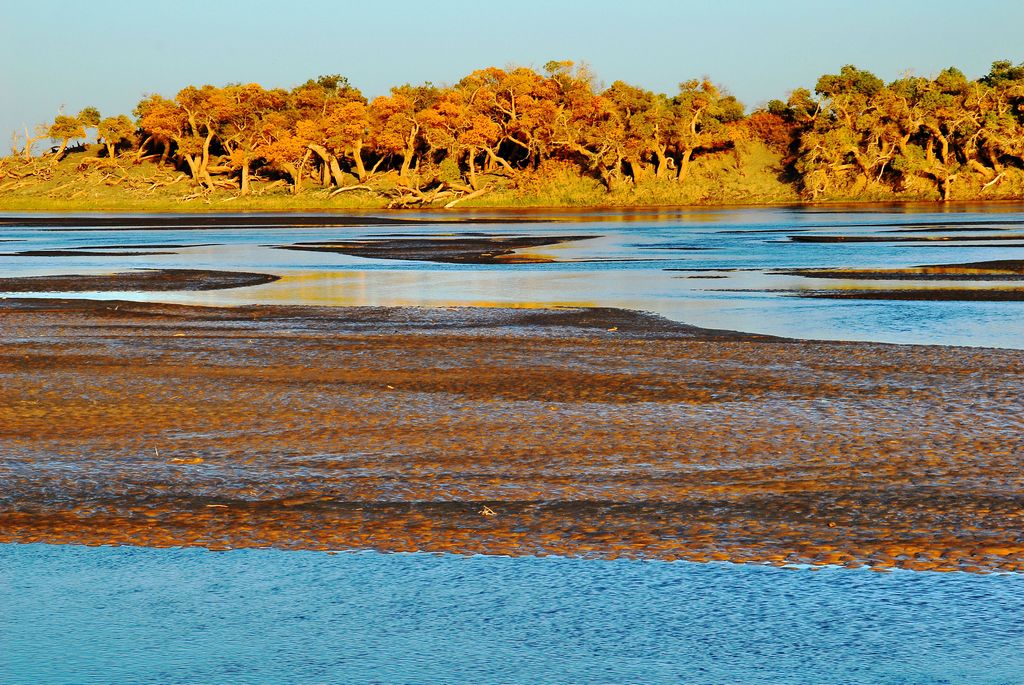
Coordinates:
[241,133]
[837,145]
[333,116]
[395,123]
[282,147]
[114,131]
[206,112]
[700,112]
[162,123]
[454,130]
[509,127]
[65,128]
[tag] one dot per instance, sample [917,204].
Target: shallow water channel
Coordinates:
[716,268]
[129,615]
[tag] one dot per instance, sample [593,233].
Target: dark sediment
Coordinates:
[587,432]
[900,239]
[995,270]
[1014,265]
[148,280]
[919,294]
[107,250]
[84,253]
[455,250]
[143,246]
[954,228]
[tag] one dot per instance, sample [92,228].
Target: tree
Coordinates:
[162,122]
[395,124]
[65,128]
[241,131]
[89,117]
[333,116]
[700,112]
[283,148]
[206,110]
[113,131]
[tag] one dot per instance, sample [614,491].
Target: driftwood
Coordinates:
[994,181]
[470,196]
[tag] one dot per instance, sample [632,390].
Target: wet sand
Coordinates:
[144,250]
[920,294]
[586,432]
[994,270]
[901,239]
[86,253]
[147,280]
[461,249]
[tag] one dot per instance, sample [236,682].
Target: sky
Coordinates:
[67,54]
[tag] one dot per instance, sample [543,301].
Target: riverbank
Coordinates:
[578,432]
[756,176]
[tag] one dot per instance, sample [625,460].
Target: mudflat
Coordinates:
[448,250]
[589,432]
[136,280]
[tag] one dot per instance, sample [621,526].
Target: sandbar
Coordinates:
[580,432]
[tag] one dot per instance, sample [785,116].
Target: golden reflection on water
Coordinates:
[401,288]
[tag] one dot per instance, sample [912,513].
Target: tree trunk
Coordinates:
[471,165]
[637,169]
[336,174]
[684,165]
[205,161]
[357,160]
[193,167]
[110,150]
[661,170]
[292,171]
[139,153]
[245,178]
[60,151]
[493,157]
[331,169]
[410,152]
[406,163]
[29,142]
[296,172]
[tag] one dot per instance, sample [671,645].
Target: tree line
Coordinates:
[853,134]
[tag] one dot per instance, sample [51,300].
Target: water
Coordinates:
[709,267]
[127,615]
[131,615]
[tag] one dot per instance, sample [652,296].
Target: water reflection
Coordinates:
[706,267]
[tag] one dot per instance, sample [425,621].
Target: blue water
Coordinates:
[709,267]
[128,615]
[110,615]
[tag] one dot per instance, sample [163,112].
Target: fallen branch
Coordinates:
[475,193]
[994,180]
[348,188]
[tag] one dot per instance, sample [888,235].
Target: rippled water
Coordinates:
[127,615]
[709,267]
[131,615]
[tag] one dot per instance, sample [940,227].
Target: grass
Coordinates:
[751,175]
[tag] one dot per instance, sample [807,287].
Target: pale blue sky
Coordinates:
[108,53]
